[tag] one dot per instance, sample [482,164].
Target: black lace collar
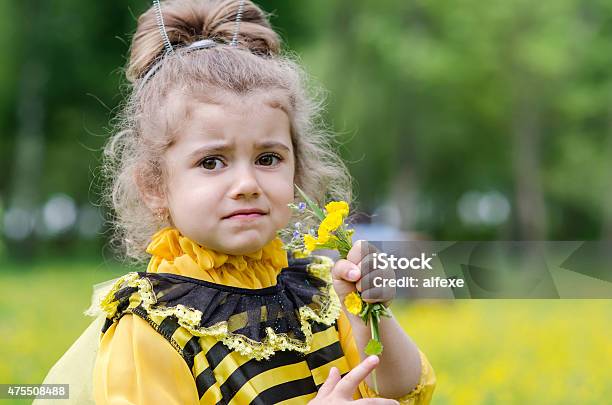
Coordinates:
[255,322]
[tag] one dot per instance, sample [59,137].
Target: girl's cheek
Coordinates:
[284,196]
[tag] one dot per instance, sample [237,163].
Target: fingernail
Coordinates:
[373,359]
[353,274]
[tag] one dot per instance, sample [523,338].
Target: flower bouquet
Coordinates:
[332,233]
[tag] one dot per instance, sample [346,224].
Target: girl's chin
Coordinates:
[244,244]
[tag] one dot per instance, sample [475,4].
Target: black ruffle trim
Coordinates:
[247,312]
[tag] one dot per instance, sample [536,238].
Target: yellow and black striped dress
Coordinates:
[202,327]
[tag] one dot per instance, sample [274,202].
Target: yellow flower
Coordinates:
[322,235]
[337,206]
[353,303]
[332,221]
[310,242]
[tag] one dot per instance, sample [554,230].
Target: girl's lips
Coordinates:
[246,216]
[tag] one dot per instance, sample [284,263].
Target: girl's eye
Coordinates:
[268,159]
[210,163]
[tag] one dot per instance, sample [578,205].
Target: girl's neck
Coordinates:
[176,254]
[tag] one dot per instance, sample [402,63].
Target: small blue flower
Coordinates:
[298,225]
[301,206]
[296,234]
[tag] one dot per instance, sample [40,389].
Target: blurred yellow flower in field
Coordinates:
[353,303]
[520,352]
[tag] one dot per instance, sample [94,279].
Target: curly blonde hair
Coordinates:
[142,132]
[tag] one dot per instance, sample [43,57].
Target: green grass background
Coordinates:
[41,314]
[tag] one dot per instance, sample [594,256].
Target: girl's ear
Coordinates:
[150,190]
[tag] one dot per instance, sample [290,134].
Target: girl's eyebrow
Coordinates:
[272,145]
[216,147]
[225,146]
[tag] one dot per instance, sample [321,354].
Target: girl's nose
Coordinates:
[245,183]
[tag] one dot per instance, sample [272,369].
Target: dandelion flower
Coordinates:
[323,236]
[353,303]
[337,206]
[332,221]
[310,242]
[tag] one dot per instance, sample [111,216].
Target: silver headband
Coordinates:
[164,34]
[202,44]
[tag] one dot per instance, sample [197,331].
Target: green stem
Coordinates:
[344,242]
[343,252]
[374,333]
[311,204]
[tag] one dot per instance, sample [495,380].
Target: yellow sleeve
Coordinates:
[420,395]
[136,365]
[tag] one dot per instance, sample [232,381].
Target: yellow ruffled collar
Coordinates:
[176,254]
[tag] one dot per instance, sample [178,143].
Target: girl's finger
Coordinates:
[373,295]
[360,249]
[345,270]
[330,382]
[375,286]
[347,385]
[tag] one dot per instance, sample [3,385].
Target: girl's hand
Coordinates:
[357,273]
[337,390]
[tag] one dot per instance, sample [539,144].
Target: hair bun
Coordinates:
[188,21]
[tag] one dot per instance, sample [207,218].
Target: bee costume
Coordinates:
[203,327]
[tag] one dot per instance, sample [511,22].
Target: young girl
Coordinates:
[217,132]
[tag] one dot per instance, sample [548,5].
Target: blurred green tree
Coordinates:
[431,102]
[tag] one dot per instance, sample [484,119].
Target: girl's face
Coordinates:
[233,153]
